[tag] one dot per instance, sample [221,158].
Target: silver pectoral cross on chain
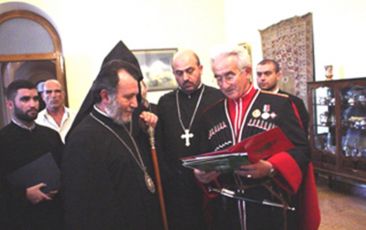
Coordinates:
[187,135]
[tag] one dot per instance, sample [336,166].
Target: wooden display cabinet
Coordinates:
[337,130]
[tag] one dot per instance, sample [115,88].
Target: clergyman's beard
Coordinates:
[114,111]
[24,116]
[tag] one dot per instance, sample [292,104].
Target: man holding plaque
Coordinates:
[277,178]
[29,200]
[177,136]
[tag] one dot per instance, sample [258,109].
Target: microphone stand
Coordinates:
[158,178]
[232,194]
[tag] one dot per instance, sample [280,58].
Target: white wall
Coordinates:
[89,29]
[338,29]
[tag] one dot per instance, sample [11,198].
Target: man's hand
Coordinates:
[149,118]
[205,177]
[52,193]
[35,195]
[258,170]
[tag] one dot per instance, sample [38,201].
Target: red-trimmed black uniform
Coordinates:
[301,108]
[261,111]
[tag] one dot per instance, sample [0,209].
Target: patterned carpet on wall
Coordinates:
[290,42]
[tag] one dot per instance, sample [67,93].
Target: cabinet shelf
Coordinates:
[337,132]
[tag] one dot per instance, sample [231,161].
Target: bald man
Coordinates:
[177,136]
[56,115]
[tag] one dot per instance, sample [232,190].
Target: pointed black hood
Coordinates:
[121,52]
[127,60]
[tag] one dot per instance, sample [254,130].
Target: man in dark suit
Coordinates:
[268,76]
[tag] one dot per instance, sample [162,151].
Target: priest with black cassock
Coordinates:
[107,173]
[28,203]
[177,136]
[285,177]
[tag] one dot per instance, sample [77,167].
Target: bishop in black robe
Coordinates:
[104,186]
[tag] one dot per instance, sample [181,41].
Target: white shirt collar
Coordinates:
[100,111]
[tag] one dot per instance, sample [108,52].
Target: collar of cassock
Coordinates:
[189,96]
[23,126]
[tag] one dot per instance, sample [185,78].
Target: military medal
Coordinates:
[273,115]
[266,109]
[149,183]
[265,116]
[256,113]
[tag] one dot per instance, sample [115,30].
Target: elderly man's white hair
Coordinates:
[224,50]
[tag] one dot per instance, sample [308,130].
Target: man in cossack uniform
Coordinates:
[284,177]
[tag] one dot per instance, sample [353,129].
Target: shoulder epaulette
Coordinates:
[275,94]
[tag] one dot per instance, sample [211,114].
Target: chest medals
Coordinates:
[187,135]
[136,156]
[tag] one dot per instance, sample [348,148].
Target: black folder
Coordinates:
[43,169]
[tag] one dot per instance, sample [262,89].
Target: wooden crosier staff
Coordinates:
[157,176]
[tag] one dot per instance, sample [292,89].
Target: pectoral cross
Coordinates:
[187,135]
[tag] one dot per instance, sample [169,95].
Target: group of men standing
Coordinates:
[108,181]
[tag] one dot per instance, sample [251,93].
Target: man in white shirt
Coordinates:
[56,115]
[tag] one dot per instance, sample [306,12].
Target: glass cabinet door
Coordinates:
[353,120]
[324,119]
[337,128]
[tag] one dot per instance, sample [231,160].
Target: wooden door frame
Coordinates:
[55,56]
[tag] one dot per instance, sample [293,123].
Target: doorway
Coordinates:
[30,48]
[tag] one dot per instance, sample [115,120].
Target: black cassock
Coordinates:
[104,188]
[183,196]
[19,147]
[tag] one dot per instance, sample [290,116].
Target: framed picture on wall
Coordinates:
[156,68]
